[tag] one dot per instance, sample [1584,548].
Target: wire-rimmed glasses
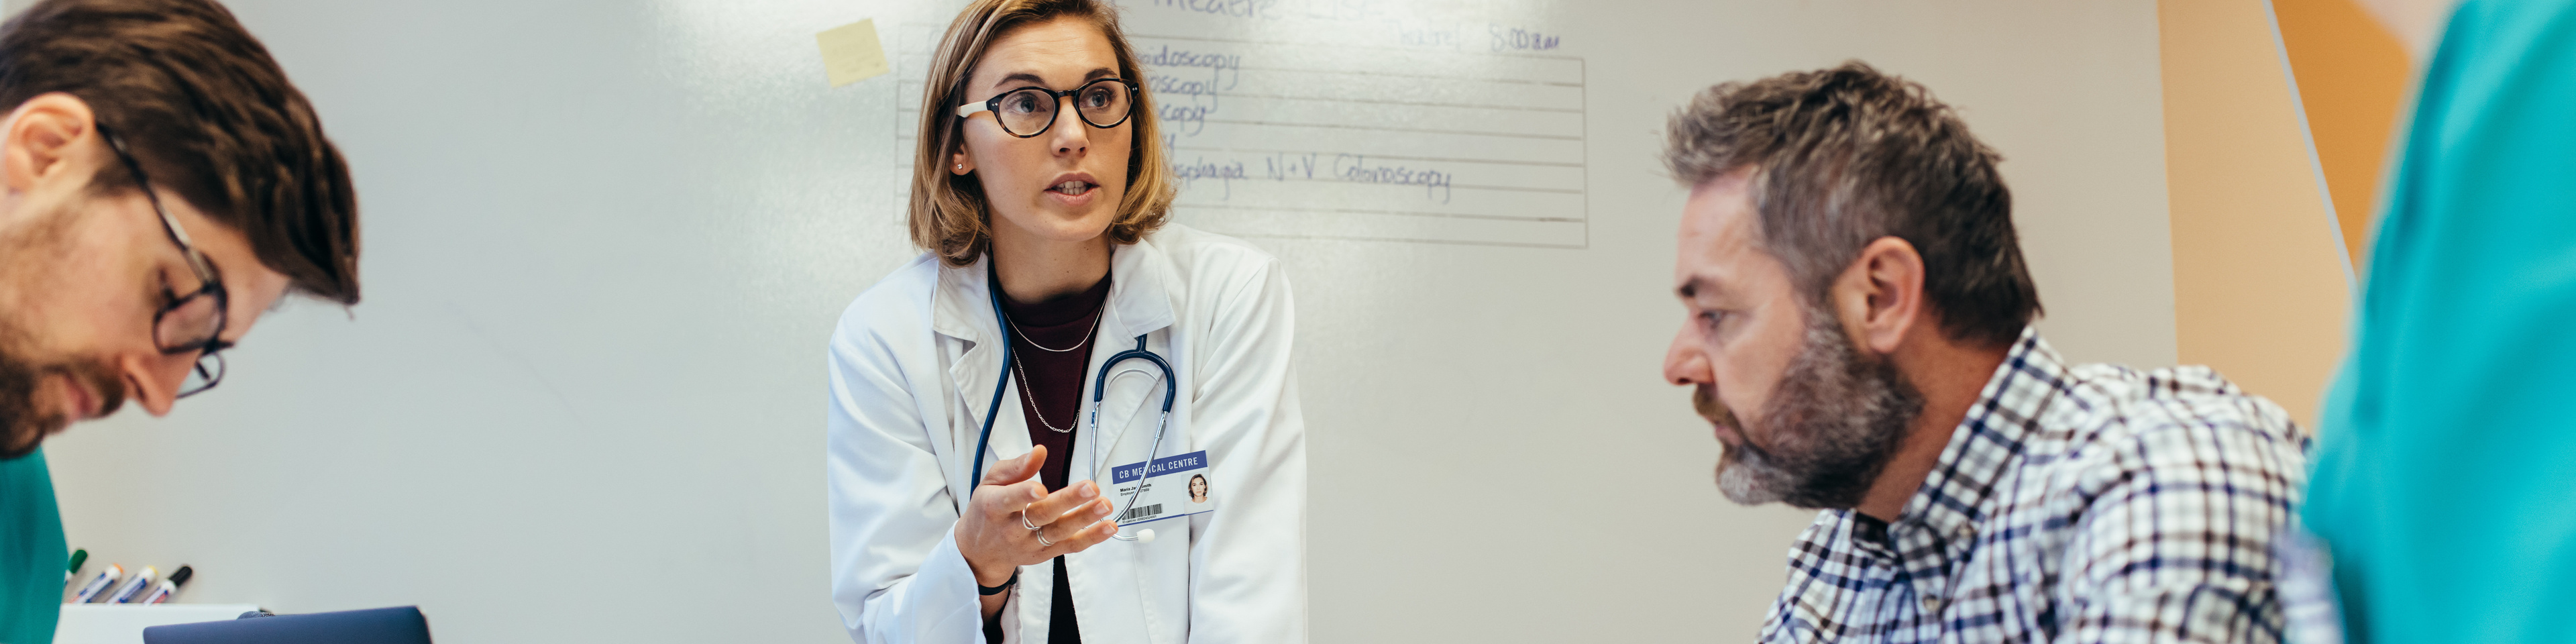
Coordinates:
[1029,111]
[186,323]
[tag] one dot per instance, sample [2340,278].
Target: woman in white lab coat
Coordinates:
[1041,173]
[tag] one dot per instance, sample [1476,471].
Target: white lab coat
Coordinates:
[913,367]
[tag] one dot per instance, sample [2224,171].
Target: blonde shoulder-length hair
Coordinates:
[949,214]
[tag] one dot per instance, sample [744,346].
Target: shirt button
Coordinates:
[1931,604]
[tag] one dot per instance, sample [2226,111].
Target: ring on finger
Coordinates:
[1042,540]
[1024,522]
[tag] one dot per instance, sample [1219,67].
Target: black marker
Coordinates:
[170,586]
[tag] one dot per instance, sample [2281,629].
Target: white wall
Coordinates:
[605,243]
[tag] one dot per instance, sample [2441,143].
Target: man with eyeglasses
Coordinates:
[161,185]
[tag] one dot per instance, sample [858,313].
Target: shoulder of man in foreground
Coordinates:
[2177,484]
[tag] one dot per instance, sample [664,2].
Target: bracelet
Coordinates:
[996,590]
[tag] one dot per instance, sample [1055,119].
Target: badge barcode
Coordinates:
[1140,512]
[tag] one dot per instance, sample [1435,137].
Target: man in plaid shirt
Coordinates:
[1860,339]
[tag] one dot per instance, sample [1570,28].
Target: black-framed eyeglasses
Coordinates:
[185,323]
[1029,111]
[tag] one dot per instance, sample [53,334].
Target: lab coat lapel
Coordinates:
[1142,295]
[1139,305]
[962,309]
[1127,409]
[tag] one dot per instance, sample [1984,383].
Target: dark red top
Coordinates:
[1050,388]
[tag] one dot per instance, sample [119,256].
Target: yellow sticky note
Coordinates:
[851,52]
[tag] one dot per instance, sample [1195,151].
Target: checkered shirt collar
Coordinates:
[1941,518]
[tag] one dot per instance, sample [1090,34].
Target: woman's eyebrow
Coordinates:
[1031,78]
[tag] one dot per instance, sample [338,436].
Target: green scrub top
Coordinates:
[2445,482]
[32,555]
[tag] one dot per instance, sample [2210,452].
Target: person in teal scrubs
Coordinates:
[161,185]
[2445,482]
[31,581]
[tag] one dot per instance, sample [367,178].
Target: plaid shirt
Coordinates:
[2078,504]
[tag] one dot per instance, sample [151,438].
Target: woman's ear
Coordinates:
[959,163]
[1880,296]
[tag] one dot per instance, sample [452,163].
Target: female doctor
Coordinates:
[1040,191]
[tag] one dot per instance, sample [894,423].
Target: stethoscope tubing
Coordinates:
[1099,390]
[993,282]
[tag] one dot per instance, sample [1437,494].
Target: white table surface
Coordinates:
[124,623]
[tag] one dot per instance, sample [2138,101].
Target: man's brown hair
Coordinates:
[949,215]
[209,115]
[1844,156]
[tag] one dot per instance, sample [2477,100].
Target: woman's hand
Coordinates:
[994,534]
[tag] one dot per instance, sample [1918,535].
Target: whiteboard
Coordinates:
[1350,123]
[606,241]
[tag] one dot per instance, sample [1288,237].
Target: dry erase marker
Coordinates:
[133,587]
[97,585]
[78,556]
[169,586]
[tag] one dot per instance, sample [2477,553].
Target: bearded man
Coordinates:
[161,185]
[1860,338]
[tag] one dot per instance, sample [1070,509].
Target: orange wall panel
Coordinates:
[2352,76]
[2260,286]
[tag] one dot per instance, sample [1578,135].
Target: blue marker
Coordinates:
[97,585]
[132,587]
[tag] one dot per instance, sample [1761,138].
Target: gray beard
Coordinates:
[1834,420]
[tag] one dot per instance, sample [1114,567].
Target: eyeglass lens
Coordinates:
[1028,111]
[191,322]
[209,370]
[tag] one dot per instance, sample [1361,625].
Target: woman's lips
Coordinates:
[1069,198]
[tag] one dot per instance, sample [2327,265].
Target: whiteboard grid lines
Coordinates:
[1284,137]
[1363,211]
[1551,164]
[1409,50]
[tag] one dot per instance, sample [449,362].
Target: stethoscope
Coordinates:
[1099,388]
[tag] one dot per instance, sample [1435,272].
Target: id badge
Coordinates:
[1164,488]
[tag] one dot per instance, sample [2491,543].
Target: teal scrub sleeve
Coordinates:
[2447,461]
[32,554]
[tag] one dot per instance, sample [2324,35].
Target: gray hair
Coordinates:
[1847,155]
